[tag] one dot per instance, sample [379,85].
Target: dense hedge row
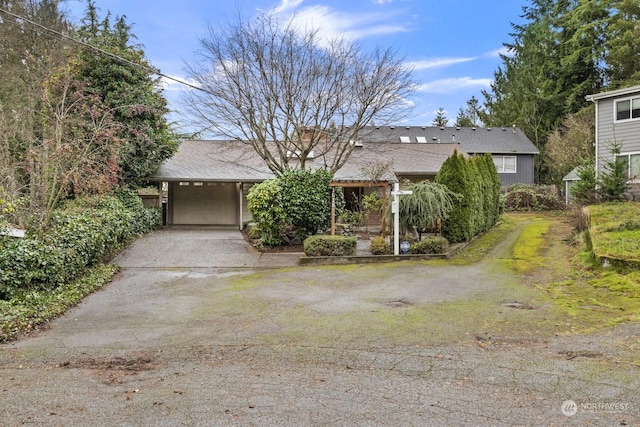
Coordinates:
[476,179]
[532,197]
[80,235]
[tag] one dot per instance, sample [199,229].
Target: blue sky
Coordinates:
[453,45]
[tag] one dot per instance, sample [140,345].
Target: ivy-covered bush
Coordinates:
[307,199]
[430,245]
[329,246]
[532,197]
[379,246]
[299,200]
[267,207]
[83,233]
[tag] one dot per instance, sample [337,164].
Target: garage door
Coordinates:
[205,203]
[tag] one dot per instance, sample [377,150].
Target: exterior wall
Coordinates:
[608,131]
[524,170]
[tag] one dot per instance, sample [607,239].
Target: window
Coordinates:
[628,109]
[505,164]
[421,139]
[631,164]
[405,139]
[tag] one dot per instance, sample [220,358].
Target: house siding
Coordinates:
[626,133]
[524,170]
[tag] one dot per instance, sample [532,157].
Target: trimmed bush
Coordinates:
[379,246]
[330,246]
[430,245]
[532,197]
[82,234]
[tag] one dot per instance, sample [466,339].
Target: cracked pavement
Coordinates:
[413,343]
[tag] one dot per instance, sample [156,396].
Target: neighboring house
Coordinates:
[208,181]
[513,153]
[618,121]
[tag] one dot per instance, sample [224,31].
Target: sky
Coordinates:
[452,45]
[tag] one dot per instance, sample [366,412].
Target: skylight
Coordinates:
[421,139]
[405,139]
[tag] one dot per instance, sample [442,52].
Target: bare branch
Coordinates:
[291,96]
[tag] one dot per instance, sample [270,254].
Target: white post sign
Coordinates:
[395,209]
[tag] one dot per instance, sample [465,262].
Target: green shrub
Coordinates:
[532,197]
[430,245]
[81,234]
[379,246]
[330,246]
[266,205]
[306,196]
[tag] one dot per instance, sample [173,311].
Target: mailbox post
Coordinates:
[395,209]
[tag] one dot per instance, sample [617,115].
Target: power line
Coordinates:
[102,51]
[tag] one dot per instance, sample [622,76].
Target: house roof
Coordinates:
[471,139]
[236,161]
[613,93]
[573,175]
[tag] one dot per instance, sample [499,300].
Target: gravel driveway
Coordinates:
[191,343]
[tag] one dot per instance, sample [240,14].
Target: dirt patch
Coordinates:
[142,361]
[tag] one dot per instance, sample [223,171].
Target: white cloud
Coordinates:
[332,24]
[177,83]
[497,52]
[446,86]
[437,62]
[287,5]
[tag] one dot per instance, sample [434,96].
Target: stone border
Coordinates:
[369,259]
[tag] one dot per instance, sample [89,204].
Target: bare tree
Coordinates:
[291,95]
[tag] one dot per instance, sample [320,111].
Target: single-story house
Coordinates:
[618,121]
[513,153]
[207,182]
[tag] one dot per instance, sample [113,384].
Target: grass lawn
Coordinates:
[615,230]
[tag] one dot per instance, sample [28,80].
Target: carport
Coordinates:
[207,182]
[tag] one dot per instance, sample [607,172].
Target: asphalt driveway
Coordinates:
[199,248]
[195,331]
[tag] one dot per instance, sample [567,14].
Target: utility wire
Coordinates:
[104,52]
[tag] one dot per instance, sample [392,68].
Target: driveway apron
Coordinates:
[198,247]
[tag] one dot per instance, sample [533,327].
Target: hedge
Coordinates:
[330,246]
[80,235]
[430,245]
[477,181]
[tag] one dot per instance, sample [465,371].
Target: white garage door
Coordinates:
[205,203]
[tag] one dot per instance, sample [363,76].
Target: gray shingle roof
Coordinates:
[471,140]
[235,161]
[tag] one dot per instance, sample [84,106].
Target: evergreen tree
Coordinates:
[440,120]
[584,191]
[454,174]
[614,182]
[469,116]
[130,89]
[623,44]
